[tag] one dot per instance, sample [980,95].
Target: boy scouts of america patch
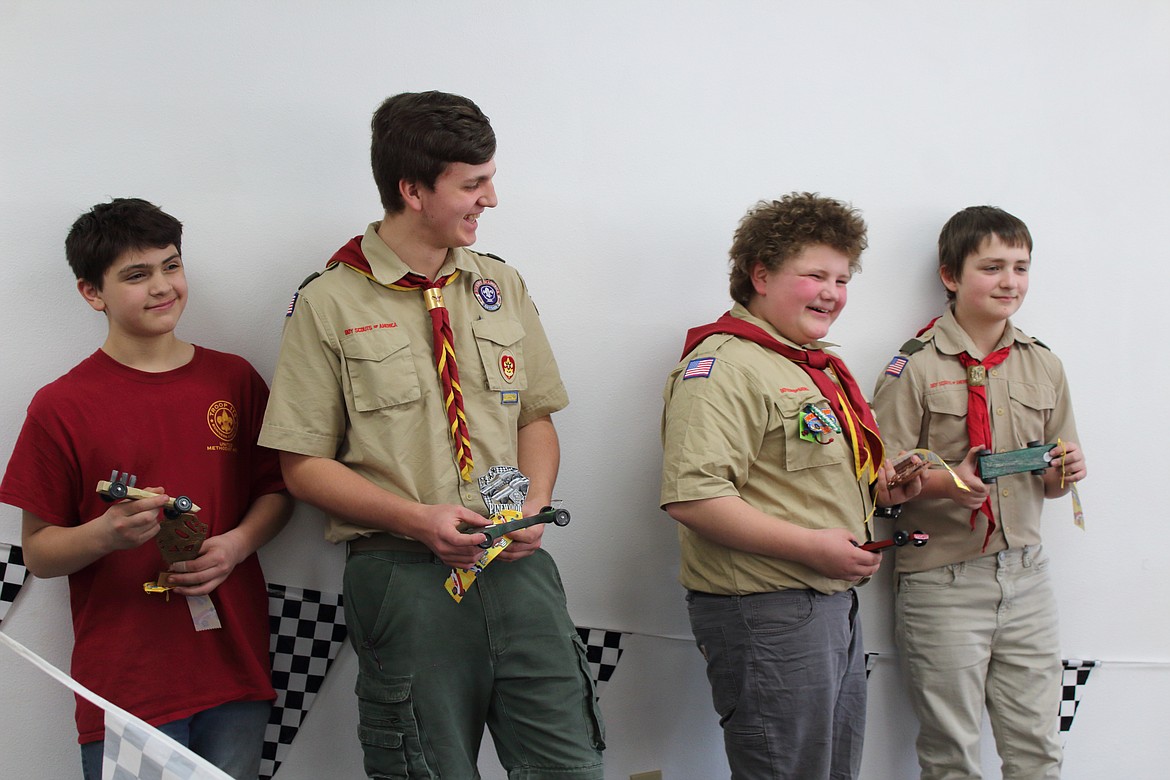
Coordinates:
[896,365]
[487,293]
[699,368]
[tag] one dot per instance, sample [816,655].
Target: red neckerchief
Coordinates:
[979,418]
[844,396]
[444,343]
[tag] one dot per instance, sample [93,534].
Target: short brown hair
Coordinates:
[416,135]
[966,231]
[772,233]
[101,235]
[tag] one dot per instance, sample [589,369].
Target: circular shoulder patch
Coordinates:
[487,293]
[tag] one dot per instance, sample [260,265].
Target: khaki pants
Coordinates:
[983,632]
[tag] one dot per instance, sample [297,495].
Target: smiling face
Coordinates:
[143,293]
[450,212]
[992,285]
[803,297]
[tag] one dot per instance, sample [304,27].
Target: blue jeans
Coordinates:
[229,736]
[787,673]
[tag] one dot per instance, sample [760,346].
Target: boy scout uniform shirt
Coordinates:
[736,432]
[356,379]
[926,407]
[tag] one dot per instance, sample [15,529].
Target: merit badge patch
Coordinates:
[896,365]
[487,293]
[699,368]
[508,366]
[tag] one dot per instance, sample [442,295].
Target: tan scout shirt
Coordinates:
[737,433]
[926,406]
[356,378]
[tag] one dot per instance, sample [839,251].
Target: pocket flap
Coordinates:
[374,345]
[504,332]
[392,691]
[1033,396]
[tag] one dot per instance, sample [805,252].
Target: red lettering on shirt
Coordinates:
[794,389]
[375,326]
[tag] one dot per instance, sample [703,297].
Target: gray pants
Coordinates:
[787,673]
[983,632]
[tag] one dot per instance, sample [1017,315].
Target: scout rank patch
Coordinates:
[487,292]
[699,368]
[508,366]
[818,424]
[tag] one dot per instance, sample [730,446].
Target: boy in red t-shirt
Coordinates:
[184,418]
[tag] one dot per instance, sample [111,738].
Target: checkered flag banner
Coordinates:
[308,630]
[603,650]
[1075,675]
[136,751]
[12,576]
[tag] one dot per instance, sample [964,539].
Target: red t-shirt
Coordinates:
[192,431]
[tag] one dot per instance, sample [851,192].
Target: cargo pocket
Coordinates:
[380,369]
[592,711]
[388,731]
[501,350]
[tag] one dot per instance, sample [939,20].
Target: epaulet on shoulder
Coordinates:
[315,274]
[912,346]
[1040,343]
[493,257]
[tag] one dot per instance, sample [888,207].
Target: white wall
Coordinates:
[633,135]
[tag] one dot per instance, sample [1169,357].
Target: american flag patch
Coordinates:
[896,365]
[699,368]
[292,304]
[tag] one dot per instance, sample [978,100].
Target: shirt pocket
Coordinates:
[1032,406]
[500,343]
[947,433]
[799,453]
[380,368]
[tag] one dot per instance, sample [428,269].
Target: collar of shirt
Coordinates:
[951,339]
[388,267]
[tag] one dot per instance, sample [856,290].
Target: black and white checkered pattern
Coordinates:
[12,576]
[1076,674]
[135,751]
[308,630]
[603,650]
